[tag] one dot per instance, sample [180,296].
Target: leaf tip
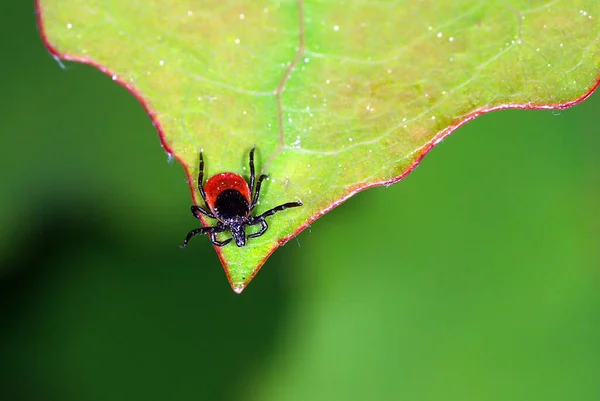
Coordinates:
[238,288]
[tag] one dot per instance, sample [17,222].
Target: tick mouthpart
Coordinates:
[238,232]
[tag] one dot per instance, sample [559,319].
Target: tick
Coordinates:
[230,201]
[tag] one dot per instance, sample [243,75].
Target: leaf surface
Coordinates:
[338,96]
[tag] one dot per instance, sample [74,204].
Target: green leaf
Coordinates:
[338,96]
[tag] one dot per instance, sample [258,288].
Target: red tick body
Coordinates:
[221,182]
[229,200]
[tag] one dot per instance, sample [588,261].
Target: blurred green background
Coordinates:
[476,278]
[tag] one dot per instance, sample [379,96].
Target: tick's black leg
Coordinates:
[278,209]
[263,227]
[197,210]
[257,193]
[200,178]
[211,232]
[215,241]
[252,169]
[203,230]
[213,235]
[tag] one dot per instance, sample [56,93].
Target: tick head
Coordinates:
[238,232]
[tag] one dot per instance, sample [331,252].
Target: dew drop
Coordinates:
[336,28]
